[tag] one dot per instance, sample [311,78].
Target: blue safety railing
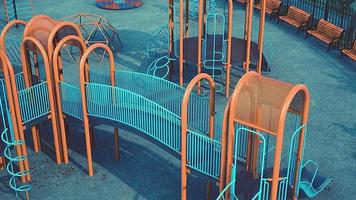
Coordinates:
[131,109]
[203,154]
[285,182]
[71,100]
[34,102]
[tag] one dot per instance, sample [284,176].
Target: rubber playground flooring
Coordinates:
[147,171]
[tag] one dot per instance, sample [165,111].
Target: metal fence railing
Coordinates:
[341,14]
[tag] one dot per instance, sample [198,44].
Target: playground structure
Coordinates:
[19,9]
[118,4]
[214,144]
[29,93]
[96,29]
[114,100]
[213,50]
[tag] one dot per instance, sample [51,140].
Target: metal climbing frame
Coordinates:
[268,109]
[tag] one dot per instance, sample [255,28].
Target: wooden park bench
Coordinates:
[350,52]
[297,18]
[272,7]
[327,33]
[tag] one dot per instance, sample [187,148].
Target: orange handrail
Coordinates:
[6,29]
[52,35]
[58,76]
[184,124]
[84,78]
[10,85]
[27,77]
[292,93]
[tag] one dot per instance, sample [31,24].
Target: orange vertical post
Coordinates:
[10,85]
[181,41]
[83,81]
[249,32]
[184,124]
[58,76]
[229,36]
[261,32]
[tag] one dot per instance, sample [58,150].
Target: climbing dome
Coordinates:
[97,29]
[118,4]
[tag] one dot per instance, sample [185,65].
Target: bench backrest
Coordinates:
[298,14]
[330,29]
[272,4]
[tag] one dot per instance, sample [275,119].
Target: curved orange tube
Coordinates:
[6,29]
[224,137]
[57,72]
[27,77]
[84,78]
[184,124]
[280,130]
[228,57]
[10,85]
[54,31]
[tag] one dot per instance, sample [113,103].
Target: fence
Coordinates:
[339,14]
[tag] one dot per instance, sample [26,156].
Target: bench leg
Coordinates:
[298,30]
[340,56]
[306,34]
[330,45]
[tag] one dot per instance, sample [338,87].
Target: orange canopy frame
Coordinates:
[262,104]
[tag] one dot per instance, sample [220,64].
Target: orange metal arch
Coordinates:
[52,35]
[281,121]
[6,29]
[57,72]
[280,131]
[27,77]
[84,78]
[224,138]
[184,124]
[10,85]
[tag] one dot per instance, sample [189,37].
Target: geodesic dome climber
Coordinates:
[210,47]
[97,29]
[258,124]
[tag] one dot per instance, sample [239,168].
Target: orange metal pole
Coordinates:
[58,76]
[304,121]
[83,81]
[200,32]
[184,124]
[228,58]
[279,140]
[261,32]
[6,29]
[171,34]
[26,69]
[224,137]
[10,85]
[249,32]
[181,41]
